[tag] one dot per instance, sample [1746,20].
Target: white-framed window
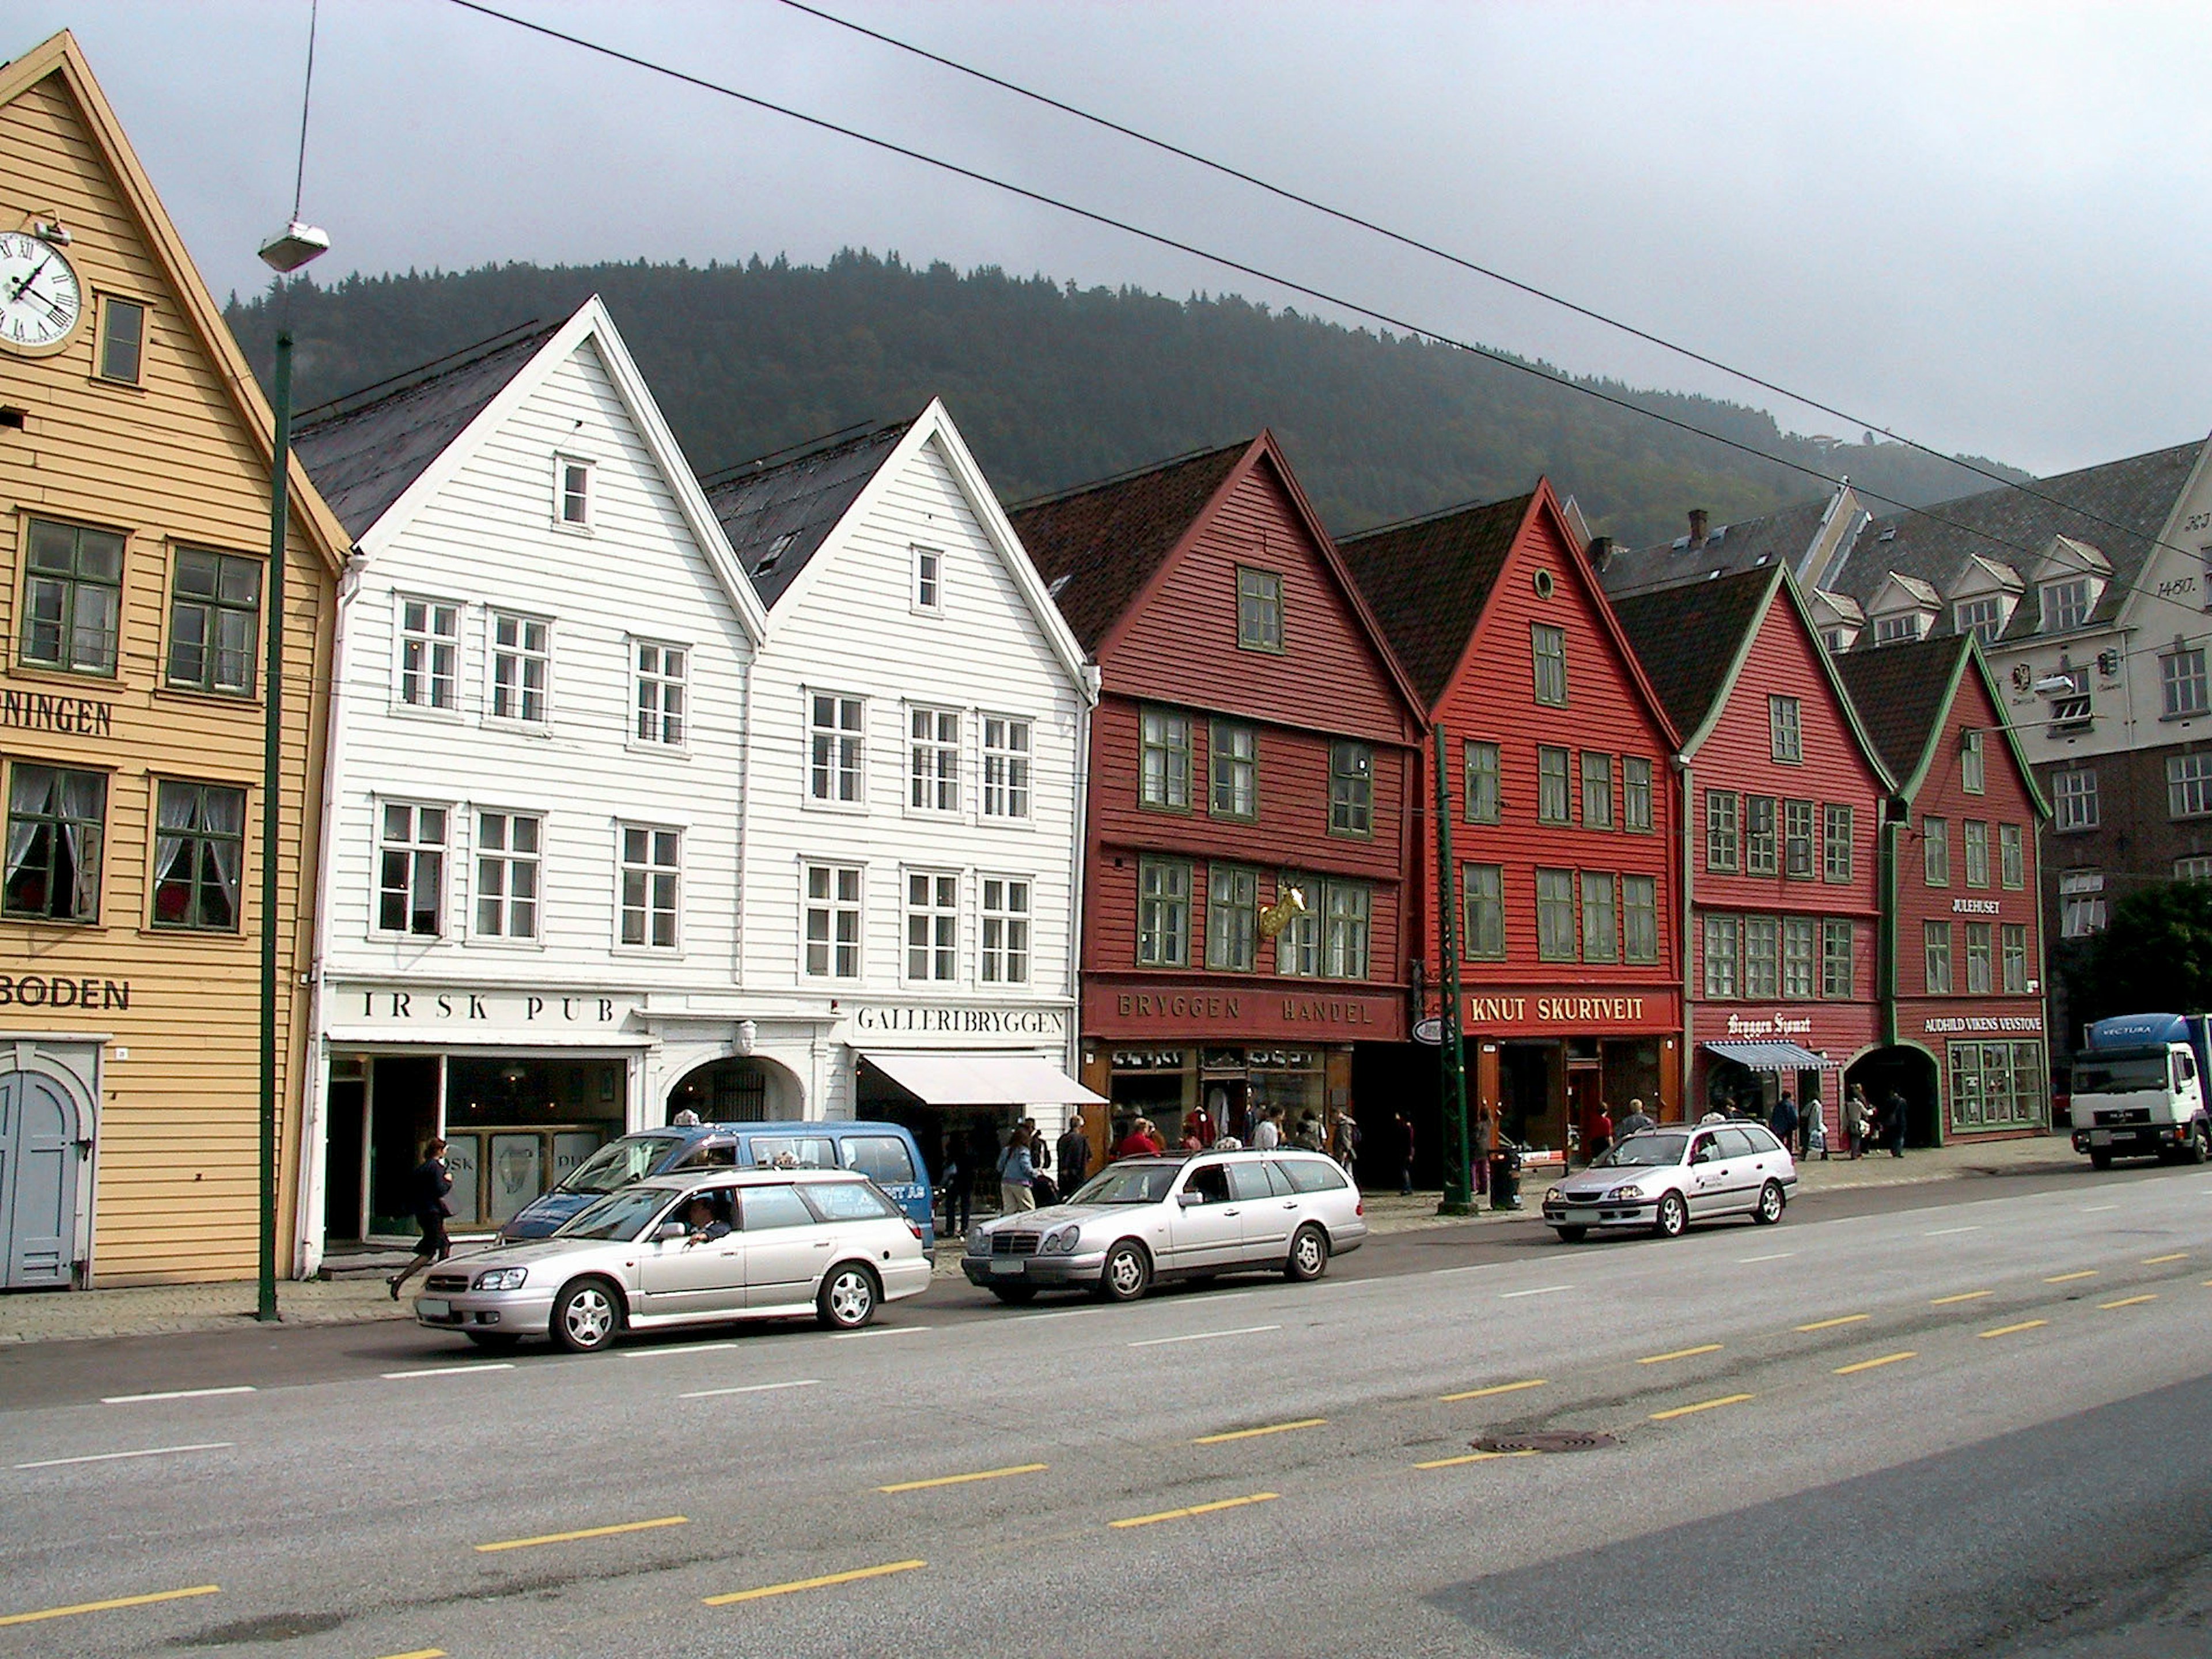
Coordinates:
[652,886]
[1785,730]
[572,493]
[2074,799]
[429,665]
[663,684]
[934,760]
[509,852]
[2196,867]
[2181,682]
[1298,947]
[1895,630]
[2188,785]
[1351,789]
[1005,767]
[932,926]
[2065,603]
[2081,903]
[1162,913]
[834,747]
[1983,617]
[929,580]
[1005,957]
[521,667]
[833,921]
[1973,771]
[410,869]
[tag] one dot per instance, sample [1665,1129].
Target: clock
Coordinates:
[40,300]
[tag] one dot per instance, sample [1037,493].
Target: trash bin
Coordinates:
[1505,1177]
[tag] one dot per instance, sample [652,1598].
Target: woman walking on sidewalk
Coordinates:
[431,1182]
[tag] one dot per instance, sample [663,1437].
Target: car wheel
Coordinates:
[2200,1145]
[1014,1296]
[1127,1273]
[1572,1234]
[496,1341]
[848,1296]
[1673,1217]
[2101,1160]
[1770,1205]
[587,1316]
[1308,1257]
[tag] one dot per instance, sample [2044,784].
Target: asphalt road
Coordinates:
[1910,1422]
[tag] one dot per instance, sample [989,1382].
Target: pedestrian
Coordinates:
[1344,1141]
[1143,1140]
[1893,1124]
[956,1180]
[1854,1120]
[428,1190]
[1600,1132]
[1074,1153]
[1816,1131]
[1784,1121]
[1309,1134]
[1016,1175]
[1040,1153]
[1401,1152]
[1637,1122]
[1193,1132]
[1267,1132]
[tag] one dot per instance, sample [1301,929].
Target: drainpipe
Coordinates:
[1079,850]
[1686,776]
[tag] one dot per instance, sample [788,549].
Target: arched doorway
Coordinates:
[39,1169]
[1909,1072]
[736,1088]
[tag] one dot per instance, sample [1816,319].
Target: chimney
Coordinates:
[1700,521]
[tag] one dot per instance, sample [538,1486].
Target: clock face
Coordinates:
[39,299]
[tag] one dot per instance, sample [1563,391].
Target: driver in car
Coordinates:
[699,1215]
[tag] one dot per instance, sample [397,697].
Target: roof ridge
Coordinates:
[1052,497]
[427,373]
[1440,513]
[2043,482]
[805,449]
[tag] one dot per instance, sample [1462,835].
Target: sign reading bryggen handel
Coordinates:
[1167,1011]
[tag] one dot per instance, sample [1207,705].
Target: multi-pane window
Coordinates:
[1162,913]
[1554,805]
[2181,681]
[1005,958]
[1635,792]
[933,926]
[1935,937]
[1785,735]
[2065,605]
[932,766]
[2081,903]
[2012,863]
[411,870]
[429,653]
[1978,958]
[1639,918]
[1935,852]
[833,921]
[1973,770]
[663,680]
[508,854]
[1006,767]
[1163,760]
[1555,915]
[1797,839]
[72,596]
[1549,646]
[1259,609]
[1890,631]
[1761,958]
[1798,941]
[2074,799]
[1983,618]
[1597,790]
[1297,946]
[1600,919]
[521,666]
[2196,867]
[1835,843]
[1233,917]
[56,821]
[928,579]
[572,490]
[199,850]
[1723,942]
[1346,907]
[652,880]
[1837,969]
[1351,789]
[1723,852]
[1762,847]
[122,339]
[1233,755]
[2013,943]
[215,620]
[1484,798]
[1997,1085]
[1485,896]
[1974,838]
[2189,785]
[834,749]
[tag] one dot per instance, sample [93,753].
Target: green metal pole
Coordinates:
[1458,1199]
[272,692]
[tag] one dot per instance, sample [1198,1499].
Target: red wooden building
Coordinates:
[1964,976]
[1783,791]
[1254,737]
[1564,812]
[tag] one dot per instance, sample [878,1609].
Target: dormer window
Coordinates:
[1983,617]
[2065,603]
[1891,630]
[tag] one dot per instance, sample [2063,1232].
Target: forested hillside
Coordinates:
[1054,385]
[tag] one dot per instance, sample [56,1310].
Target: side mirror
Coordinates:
[668,1230]
[1186,1197]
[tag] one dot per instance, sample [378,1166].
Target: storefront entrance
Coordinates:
[38,1169]
[1911,1072]
[1234,1085]
[737,1089]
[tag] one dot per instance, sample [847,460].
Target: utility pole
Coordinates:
[1458,1199]
[272,779]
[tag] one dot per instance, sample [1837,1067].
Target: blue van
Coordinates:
[885,1153]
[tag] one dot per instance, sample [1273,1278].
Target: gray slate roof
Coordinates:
[1687,636]
[1783,537]
[362,455]
[778,513]
[1900,692]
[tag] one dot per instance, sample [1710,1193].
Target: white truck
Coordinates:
[2139,1089]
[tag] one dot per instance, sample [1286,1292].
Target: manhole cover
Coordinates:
[1544,1442]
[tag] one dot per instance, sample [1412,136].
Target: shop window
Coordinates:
[934,760]
[1786,736]
[1762,847]
[1351,789]
[1836,843]
[1554,805]
[1549,647]
[834,726]
[410,875]
[215,622]
[652,880]
[1978,958]
[1723,853]
[1233,759]
[1597,790]
[1006,767]
[1997,1085]
[1838,968]
[1797,839]
[2014,944]
[1935,941]
[1639,918]
[1600,919]
[1233,917]
[521,667]
[1723,943]
[1259,609]
[1004,915]
[1484,896]
[1636,794]
[1797,950]
[56,824]
[1164,773]
[833,921]
[1555,915]
[1162,913]
[932,926]
[430,665]
[198,854]
[1761,959]
[1935,852]
[663,683]
[2012,863]
[1974,842]
[72,598]
[507,854]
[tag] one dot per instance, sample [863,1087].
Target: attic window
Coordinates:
[1059,582]
[1888,533]
[573,505]
[2065,603]
[782,545]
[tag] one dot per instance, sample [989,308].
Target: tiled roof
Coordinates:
[778,513]
[1688,637]
[1780,537]
[1899,690]
[1427,580]
[363,455]
[1097,546]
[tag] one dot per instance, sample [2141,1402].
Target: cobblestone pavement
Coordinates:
[355,1292]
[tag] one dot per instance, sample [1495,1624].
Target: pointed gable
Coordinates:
[1691,637]
[1428,580]
[778,510]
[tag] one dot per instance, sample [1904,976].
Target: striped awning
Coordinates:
[1773,1056]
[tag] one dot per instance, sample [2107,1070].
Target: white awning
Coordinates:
[982,1080]
[1773,1056]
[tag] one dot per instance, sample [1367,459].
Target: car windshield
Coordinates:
[2136,1074]
[617,1163]
[1642,1152]
[623,1215]
[1129,1184]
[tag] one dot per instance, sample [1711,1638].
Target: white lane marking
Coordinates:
[110,1457]
[451,1370]
[752,1388]
[1541,1290]
[174,1394]
[1473,1268]
[886,1330]
[1057,1313]
[1204,1336]
[684,1347]
[2093,1209]
[1779,1255]
[1945,1233]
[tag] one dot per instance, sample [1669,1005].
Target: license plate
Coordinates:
[432,1307]
[2100,1137]
[1005,1267]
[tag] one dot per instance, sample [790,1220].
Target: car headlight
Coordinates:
[1060,1240]
[979,1241]
[1629,1194]
[501,1279]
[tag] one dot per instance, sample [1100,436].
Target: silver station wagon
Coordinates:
[698,1248]
[1664,1179]
[1189,1215]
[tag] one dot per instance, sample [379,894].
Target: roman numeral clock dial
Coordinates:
[39,298]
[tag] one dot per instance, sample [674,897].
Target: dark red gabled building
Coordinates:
[1563,812]
[1254,737]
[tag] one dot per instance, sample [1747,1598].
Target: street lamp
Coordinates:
[284,252]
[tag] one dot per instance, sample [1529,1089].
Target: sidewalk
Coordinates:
[355,1293]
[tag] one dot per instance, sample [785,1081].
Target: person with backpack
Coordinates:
[1016,1175]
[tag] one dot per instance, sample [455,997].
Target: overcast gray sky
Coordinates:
[1983,224]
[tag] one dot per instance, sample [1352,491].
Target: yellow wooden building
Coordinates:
[134,535]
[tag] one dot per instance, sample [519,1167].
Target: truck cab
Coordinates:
[2139,1089]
